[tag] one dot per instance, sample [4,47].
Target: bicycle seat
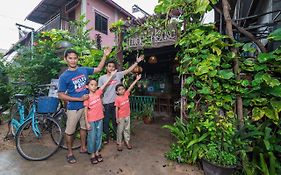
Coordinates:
[20,96]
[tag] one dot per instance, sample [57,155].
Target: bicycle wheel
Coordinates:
[61,119]
[33,147]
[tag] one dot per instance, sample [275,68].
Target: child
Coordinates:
[93,118]
[122,108]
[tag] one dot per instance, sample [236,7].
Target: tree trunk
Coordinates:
[229,32]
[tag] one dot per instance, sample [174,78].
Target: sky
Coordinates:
[15,11]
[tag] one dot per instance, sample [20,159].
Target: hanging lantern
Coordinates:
[152,60]
[61,46]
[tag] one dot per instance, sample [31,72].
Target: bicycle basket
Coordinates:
[47,104]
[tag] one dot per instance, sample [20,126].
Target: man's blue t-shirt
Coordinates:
[73,83]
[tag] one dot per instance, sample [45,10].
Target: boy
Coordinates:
[110,95]
[122,108]
[93,118]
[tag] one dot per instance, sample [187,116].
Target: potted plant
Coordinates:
[147,113]
[220,157]
[218,161]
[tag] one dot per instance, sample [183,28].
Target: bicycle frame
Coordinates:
[31,116]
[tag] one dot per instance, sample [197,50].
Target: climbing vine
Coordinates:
[211,88]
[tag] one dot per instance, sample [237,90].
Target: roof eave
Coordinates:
[122,10]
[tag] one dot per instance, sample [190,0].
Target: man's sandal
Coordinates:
[71,159]
[94,160]
[99,158]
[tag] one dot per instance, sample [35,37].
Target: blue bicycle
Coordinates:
[36,134]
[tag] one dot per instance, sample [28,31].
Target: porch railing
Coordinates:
[136,102]
[54,23]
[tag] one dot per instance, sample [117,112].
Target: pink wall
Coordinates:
[107,11]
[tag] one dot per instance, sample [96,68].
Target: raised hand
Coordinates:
[140,58]
[107,51]
[138,77]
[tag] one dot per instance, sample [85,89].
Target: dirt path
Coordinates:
[150,142]
[8,144]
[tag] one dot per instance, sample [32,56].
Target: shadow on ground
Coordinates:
[150,142]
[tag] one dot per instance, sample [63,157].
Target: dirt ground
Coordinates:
[150,142]
[5,144]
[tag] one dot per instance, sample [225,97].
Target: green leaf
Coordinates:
[201,6]
[202,70]
[272,163]
[270,81]
[226,66]
[193,50]
[271,113]
[245,83]
[260,67]
[192,142]
[184,92]
[205,90]
[225,74]
[263,165]
[231,55]
[189,80]
[213,73]
[191,68]
[276,91]
[191,94]
[258,113]
[249,62]
[190,105]
[216,49]
[249,48]
[264,57]
[275,35]
[276,105]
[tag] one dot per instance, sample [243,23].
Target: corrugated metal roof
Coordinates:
[46,9]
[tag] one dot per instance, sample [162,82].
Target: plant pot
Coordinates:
[147,120]
[214,169]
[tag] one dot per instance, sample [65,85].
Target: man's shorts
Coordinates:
[73,116]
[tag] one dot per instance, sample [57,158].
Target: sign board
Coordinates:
[153,38]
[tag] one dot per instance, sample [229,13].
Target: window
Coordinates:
[101,23]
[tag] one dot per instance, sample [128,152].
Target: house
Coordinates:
[56,14]
[101,13]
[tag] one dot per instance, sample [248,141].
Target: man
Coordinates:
[110,94]
[72,88]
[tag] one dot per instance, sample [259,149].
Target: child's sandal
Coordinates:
[119,148]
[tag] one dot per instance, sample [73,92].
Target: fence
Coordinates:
[136,102]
